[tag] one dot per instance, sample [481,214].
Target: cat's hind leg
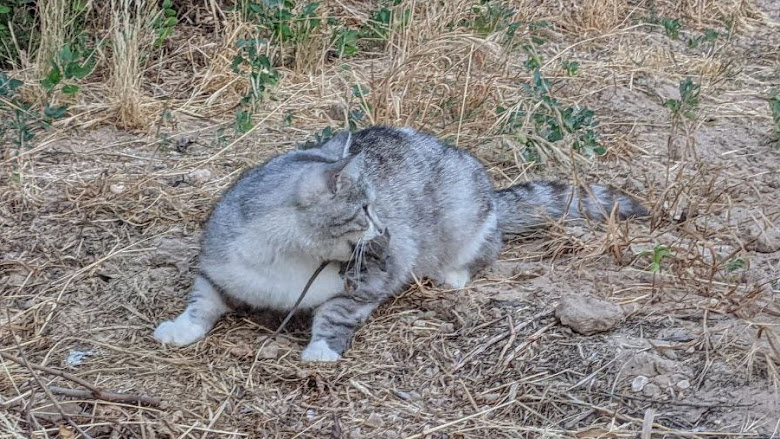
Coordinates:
[205,307]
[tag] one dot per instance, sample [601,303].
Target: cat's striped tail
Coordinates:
[528,205]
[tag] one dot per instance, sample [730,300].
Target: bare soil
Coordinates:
[99,233]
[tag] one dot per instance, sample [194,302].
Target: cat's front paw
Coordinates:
[179,332]
[456,279]
[319,351]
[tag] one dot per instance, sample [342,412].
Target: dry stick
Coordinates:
[93,391]
[23,362]
[530,339]
[481,348]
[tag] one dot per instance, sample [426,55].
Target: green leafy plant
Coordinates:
[23,120]
[262,76]
[360,108]
[709,36]
[672,27]
[284,21]
[657,256]
[688,103]
[490,16]
[165,22]
[346,42]
[552,122]
[72,62]
[17,29]
[572,68]
[382,21]
[735,264]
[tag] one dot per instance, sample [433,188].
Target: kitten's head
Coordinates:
[335,202]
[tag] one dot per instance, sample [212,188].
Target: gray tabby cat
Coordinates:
[384,205]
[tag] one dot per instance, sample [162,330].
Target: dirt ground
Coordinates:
[99,230]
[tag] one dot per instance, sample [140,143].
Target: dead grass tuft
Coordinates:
[132,40]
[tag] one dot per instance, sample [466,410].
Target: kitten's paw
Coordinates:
[456,279]
[319,351]
[179,332]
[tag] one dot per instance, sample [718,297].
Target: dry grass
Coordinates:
[99,229]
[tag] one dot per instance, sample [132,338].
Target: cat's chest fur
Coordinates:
[257,278]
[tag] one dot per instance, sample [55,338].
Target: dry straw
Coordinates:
[99,230]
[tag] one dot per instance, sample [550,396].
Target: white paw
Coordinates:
[319,351]
[456,279]
[179,332]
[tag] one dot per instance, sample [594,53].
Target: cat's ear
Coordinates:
[345,173]
[338,146]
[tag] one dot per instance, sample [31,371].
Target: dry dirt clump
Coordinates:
[669,101]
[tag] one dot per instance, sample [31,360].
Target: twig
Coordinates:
[92,391]
[482,347]
[530,339]
[23,362]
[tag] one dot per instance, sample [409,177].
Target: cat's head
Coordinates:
[335,201]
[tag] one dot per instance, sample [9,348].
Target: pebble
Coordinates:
[588,315]
[374,420]
[199,176]
[639,383]
[683,384]
[117,188]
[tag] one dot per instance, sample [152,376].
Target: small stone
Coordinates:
[639,383]
[269,351]
[242,350]
[407,396]
[16,280]
[374,420]
[762,239]
[311,414]
[489,397]
[683,384]
[652,391]
[447,328]
[588,315]
[117,188]
[199,176]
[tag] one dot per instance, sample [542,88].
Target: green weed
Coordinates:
[72,62]
[284,21]
[735,264]
[552,122]
[21,121]
[346,42]
[262,76]
[708,37]
[17,29]
[572,68]
[490,16]
[657,256]
[671,27]
[165,22]
[688,104]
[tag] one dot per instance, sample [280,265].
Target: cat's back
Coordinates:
[408,155]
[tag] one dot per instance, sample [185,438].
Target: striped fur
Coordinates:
[385,206]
